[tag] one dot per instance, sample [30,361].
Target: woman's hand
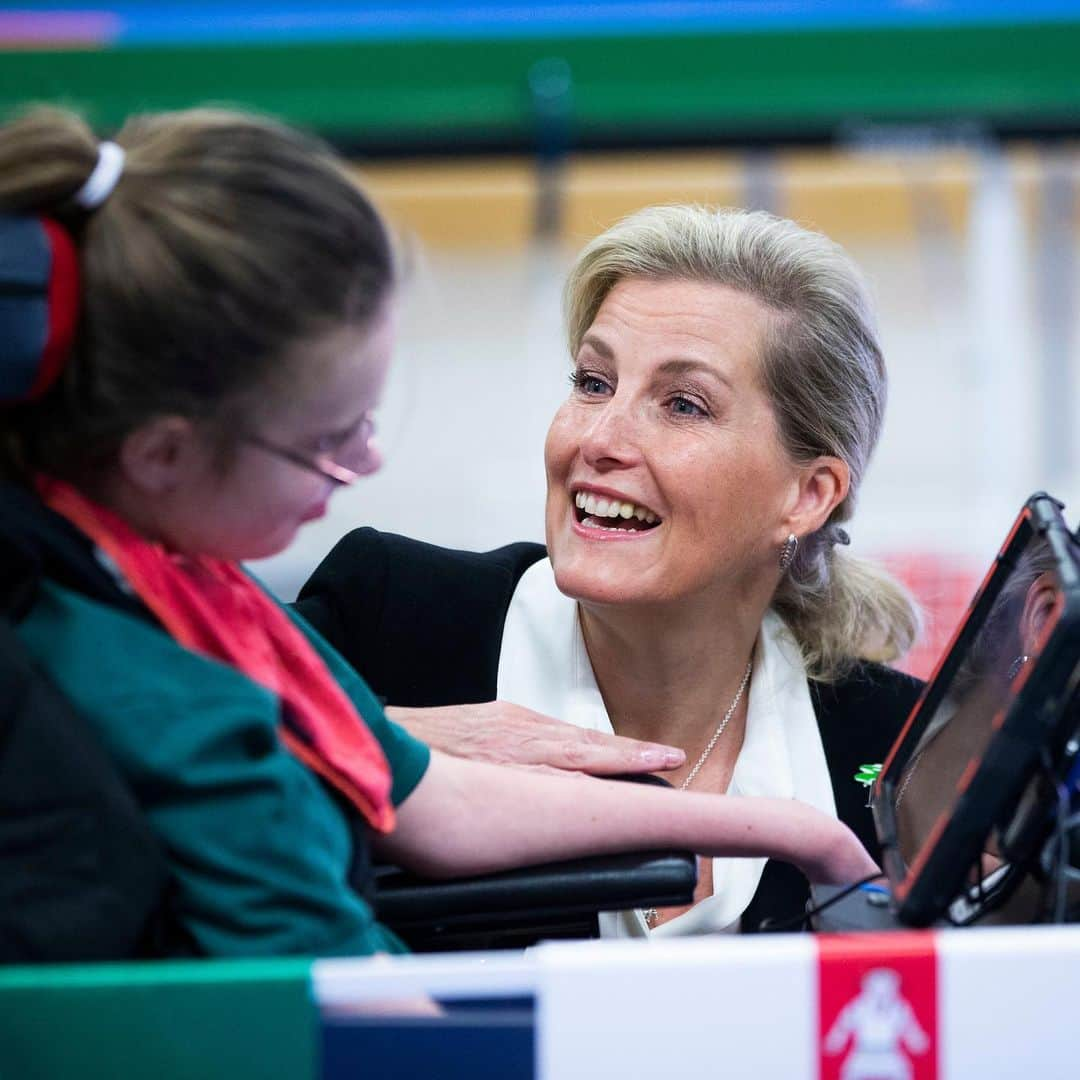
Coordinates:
[508,734]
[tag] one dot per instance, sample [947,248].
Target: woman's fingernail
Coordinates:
[665,757]
[660,757]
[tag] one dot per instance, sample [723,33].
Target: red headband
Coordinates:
[39,304]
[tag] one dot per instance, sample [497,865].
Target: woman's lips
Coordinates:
[593,532]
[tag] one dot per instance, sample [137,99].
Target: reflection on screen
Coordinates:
[961,726]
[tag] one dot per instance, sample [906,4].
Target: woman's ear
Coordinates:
[158,456]
[819,489]
[1039,604]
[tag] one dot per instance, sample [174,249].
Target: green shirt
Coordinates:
[259,849]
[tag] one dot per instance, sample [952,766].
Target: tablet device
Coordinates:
[970,790]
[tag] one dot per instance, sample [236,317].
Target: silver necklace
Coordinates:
[651,914]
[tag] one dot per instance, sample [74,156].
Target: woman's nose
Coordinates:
[611,439]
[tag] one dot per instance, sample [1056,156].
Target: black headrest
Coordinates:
[36,543]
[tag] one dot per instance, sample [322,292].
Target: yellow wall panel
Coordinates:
[845,195]
[600,189]
[471,204]
[492,204]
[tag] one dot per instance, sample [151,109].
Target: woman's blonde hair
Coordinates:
[823,370]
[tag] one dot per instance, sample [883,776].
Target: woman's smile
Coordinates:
[603,514]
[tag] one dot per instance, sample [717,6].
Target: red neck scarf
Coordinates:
[211,607]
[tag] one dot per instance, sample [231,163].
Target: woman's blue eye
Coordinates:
[682,406]
[588,384]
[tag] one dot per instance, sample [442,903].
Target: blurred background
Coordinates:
[938,141]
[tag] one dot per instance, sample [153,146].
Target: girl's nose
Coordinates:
[373,458]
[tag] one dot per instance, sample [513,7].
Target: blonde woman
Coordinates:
[727,392]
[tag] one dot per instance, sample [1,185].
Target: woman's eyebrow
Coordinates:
[598,346]
[681,366]
[675,366]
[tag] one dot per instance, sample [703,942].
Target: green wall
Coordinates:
[699,87]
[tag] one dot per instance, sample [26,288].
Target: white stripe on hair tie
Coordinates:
[99,185]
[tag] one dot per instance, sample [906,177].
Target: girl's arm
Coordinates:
[466,817]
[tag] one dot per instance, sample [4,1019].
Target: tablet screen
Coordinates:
[958,730]
[999,701]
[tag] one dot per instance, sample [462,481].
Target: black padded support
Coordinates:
[516,907]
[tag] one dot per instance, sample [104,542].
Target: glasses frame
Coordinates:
[321,464]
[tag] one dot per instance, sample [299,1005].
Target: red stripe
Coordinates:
[878,1005]
[63,307]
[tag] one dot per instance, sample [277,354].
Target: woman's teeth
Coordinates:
[598,507]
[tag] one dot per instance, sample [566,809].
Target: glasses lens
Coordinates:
[356,456]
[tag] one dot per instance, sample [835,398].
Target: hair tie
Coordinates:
[39,305]
[101,182]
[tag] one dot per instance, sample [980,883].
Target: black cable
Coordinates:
[1053,871]
[802,920]
[983,901]
[1054,860]
[1064,872]
[1061,843]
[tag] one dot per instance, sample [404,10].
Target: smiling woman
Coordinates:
[727,390]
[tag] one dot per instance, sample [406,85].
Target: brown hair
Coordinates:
[823,370]
[228,239]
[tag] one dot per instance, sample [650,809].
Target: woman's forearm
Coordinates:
[468,818]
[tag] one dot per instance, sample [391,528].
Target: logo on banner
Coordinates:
[878,1007]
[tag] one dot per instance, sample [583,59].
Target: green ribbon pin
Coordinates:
[866,776]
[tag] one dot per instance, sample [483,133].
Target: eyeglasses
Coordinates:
[322,464]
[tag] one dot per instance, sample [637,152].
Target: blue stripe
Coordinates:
[204,22]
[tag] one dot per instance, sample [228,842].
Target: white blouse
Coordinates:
[544,666]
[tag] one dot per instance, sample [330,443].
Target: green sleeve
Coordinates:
[408,757]
[259,850]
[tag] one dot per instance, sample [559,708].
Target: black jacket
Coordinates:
[424,626]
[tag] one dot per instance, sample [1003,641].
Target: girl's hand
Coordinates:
[835,856]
